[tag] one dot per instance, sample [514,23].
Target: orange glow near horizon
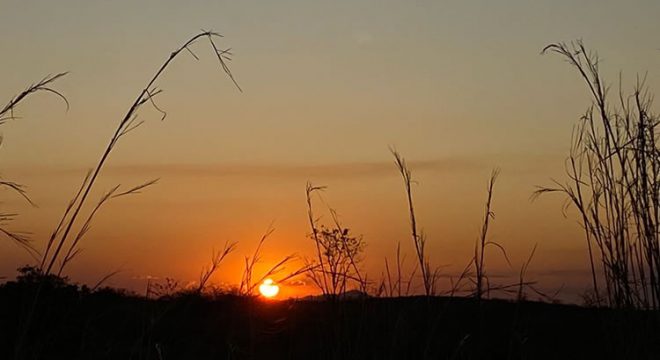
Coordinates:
[269,289]
[322,102]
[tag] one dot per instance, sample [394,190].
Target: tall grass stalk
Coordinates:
[429,277]
[392,284]
[247,285]
[481,279]
[127,124]
[6,114]
[613,171]
[216,259]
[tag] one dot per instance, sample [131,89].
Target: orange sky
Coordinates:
[457,87]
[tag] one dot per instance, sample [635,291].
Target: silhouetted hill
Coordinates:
[68,322]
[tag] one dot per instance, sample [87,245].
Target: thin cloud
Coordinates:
[365,169]
[292,170]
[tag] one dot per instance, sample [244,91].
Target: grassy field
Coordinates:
[72,322]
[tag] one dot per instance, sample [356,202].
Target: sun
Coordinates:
[268,289]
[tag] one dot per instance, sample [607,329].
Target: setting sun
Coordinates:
[268,289]
[319,179]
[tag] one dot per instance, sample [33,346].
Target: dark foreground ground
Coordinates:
[72,323]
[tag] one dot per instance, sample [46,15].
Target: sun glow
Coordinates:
[269,289]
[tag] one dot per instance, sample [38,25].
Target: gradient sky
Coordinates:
[458,87]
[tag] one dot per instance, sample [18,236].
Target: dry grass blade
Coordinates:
[126,125]
[7,112]
[465,274]
[275,269]
[523,270]
[216,260]
[20,238]
[18,188]
[428,277]
[246,286]
[321,282]
[58,228]
[112,194]
[613,169]
[104,279]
